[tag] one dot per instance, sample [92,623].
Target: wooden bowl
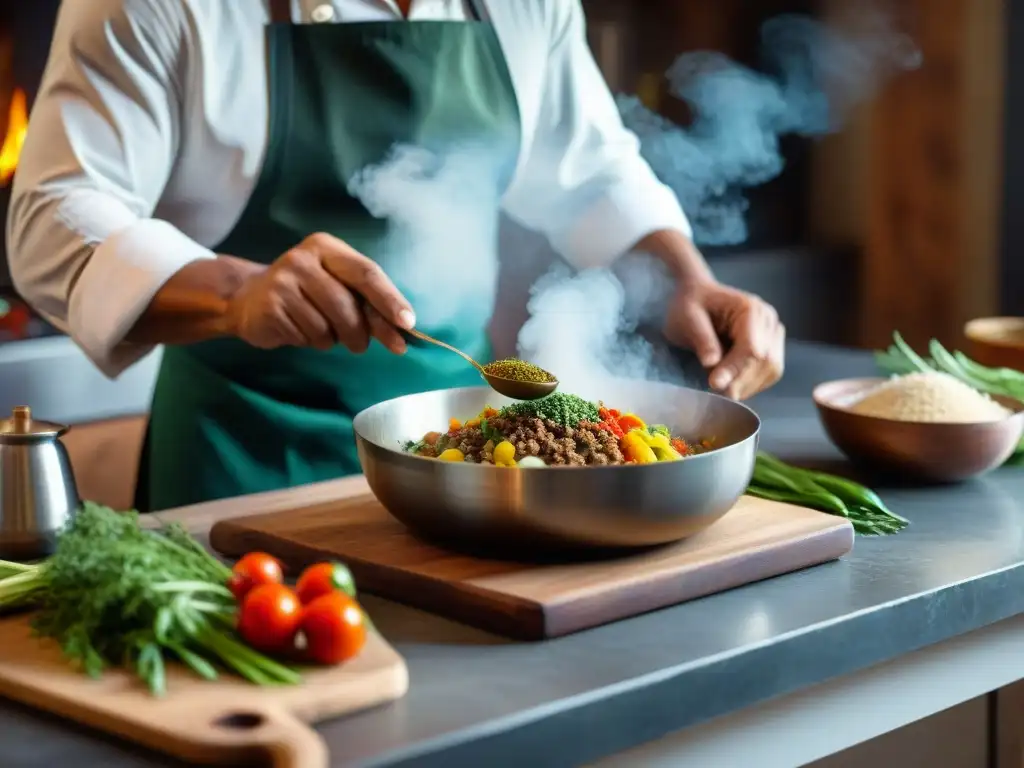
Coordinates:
[923,451]
[997,342]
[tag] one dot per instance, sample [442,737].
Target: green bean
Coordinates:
[766,477]
[853,493]
[775,480]
[900,358]
[767,460]
[773,473]
[1004,377]
[849,491]
[945,361]
[892,362]
[950,365]
[826,502]
[805,479]
[774,494]
[771,478]
[907,351]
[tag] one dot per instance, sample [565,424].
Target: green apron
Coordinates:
[229,419]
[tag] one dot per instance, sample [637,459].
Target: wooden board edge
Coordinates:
[282,731]
[506,615]
[588,612]
[180,744]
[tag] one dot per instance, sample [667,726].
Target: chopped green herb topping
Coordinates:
[566,410]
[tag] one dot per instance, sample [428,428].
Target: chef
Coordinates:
[186,181]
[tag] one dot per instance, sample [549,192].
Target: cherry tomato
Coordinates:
[252,570]
[322,579]
[334,628]
[270,616]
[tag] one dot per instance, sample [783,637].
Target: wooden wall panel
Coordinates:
[105,457]
[933,190]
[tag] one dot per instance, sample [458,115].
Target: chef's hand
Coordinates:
[705,313]
[320,293]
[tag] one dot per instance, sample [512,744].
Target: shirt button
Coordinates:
[322,14]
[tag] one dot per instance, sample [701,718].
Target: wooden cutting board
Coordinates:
[224,722]
[757,539]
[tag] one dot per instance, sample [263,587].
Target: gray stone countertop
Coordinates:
[480,700]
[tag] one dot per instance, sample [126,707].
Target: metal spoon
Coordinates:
[517,390]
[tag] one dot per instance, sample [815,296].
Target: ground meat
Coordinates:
[579,446]
[586,444]
[428,446]
[469,440]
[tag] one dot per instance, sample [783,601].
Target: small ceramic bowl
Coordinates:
[918,450]
[997,342]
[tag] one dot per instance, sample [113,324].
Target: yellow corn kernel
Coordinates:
[452,454]
[454,424]
[504,453]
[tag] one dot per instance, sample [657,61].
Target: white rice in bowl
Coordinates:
[931,397]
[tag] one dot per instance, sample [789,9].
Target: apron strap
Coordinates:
[280,11]
[476,10]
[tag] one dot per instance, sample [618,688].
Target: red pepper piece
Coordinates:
[630,422]
[613,427]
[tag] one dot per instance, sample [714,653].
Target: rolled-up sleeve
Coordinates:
[83,246]
[584,183]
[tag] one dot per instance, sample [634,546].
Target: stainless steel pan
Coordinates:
[577,507]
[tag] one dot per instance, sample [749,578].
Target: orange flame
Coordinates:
[17,128]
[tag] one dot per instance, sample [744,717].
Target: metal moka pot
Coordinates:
[37,486]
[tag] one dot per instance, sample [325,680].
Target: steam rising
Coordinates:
[584,327]
[442,231]
[819,74]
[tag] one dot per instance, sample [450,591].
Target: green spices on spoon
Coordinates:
[518,370]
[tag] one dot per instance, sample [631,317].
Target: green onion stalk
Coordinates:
[114,595]
[900,359]
[20,588]
[777,481]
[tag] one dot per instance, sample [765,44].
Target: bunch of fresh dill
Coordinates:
[114,594]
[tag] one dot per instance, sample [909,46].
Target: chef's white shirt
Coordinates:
[149,131]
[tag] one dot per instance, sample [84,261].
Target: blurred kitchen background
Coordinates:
[911,218]
[905,219]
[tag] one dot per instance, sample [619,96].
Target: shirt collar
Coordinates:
[422,8]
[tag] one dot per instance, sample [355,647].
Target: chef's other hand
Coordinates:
[320,293]
[704,315]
